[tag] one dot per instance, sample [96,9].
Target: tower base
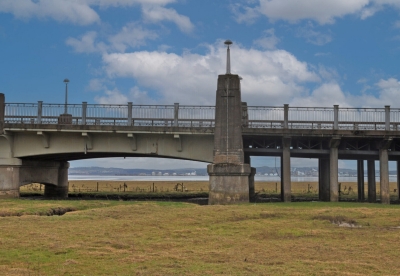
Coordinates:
[230,183]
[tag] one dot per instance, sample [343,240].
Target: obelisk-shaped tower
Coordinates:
[229,175]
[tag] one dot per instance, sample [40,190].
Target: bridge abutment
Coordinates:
[54,175]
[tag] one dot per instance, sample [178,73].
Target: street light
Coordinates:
[228,57]
[66,81]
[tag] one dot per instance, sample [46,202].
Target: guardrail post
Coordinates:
[285,116]
[387,117]
[39,112]
[335,117]
[84,110]
[129,114]
[176,114]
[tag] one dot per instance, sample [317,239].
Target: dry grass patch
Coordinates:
[149,238]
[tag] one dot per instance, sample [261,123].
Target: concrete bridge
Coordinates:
[38,139]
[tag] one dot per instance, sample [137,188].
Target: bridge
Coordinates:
[38,139]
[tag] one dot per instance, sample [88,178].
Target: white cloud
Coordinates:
[244,13]
[268,76]
[132,35]
[77,12]
[86,43]
[326,95]
[324,12]
[268,40]
[112,97]
[312,36]
[156,14]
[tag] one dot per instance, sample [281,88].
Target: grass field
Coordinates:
[166,238]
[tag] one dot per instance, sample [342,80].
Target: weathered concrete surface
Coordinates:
[371,181]
[333,169]
[384,175]
[231,180]
[229,183]
[324,177]
[51,174]
[286,193]
[360,180]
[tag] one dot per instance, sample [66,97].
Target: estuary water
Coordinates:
[392,178]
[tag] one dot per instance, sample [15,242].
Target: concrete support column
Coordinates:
[251,185]
[323,179]
[371,181]
[333,169]
[360,180]
[2,111]
[398,179]
[61,190]
[286,193]
[384,175]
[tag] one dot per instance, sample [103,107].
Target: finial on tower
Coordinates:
[228,57]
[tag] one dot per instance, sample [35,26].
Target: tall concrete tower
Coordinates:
[230,178]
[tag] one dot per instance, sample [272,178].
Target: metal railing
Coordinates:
[204,116]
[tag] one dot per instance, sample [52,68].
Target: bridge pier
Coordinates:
[333,169]
[286,193]
[371,181]
[398,179]
[360,180]
[231,179]
[15,173]
[323,179]
[384,175]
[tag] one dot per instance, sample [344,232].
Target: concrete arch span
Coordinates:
[35,156]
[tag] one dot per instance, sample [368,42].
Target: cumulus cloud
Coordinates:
[82,12]
[323,12]
[132,35]
[77,12]
[154,13]
[312,36]
[244,13]
[268,40]
[268,76]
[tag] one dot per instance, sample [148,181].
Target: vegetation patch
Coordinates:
[341,221]
[57,211]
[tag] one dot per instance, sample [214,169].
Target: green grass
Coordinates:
[168,238]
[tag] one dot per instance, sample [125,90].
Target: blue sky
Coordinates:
[300,52]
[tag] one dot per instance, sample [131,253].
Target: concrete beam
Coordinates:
[132,137]
[45,138]
[178,142]
[88,141]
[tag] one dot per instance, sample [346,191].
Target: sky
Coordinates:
[296,52]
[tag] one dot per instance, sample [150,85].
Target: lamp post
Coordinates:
[228,57]
[66,81]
